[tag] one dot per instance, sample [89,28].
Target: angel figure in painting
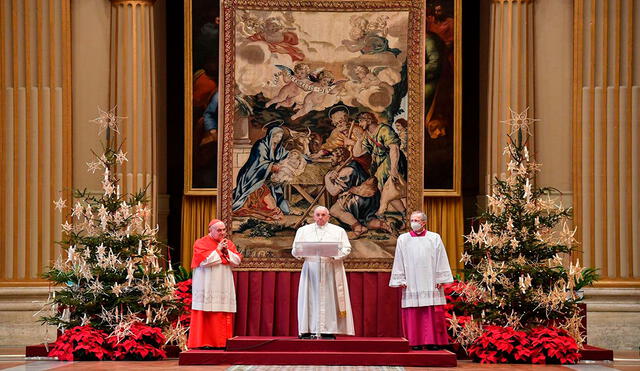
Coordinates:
[369,37]
[366,78]
[323,85]
[279,41]
[296,83]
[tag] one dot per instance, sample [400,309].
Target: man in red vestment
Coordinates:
[214,297]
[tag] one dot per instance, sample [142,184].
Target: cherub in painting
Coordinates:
[323,84]
[297,80]
[366,78]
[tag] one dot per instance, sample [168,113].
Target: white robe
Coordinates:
[212,284]
[318,301]
[420,263]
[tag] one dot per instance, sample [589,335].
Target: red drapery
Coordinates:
[268,301]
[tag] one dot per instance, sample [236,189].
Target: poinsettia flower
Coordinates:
[142,343]
[80,343]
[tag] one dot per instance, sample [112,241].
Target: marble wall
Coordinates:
[613,317]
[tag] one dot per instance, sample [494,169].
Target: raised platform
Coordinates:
[591,353]
[292,344]
[355,351]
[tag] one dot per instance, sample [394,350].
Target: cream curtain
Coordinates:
[445,217]
[197,211]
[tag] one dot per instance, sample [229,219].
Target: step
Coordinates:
[340,344]
[424,358]
[591,353]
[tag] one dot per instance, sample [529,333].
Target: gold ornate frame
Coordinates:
[188,108]
[457,109]
[292,265]
[415,62]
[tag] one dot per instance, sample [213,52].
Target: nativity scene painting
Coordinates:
[321,119]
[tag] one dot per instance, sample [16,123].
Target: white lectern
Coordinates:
[317,249]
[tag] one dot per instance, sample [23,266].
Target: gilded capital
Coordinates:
[132,2]
[513,1]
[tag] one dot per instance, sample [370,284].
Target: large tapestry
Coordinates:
[322,106]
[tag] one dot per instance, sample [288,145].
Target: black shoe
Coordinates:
[304,336]
[328,336]
[416,347]
[433,347]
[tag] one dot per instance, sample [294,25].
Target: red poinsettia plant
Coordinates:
[506,345]
[140,343]
[81,343]
[184,296]
[500,345]
[453,294]
[85,343]
[540,345]
[552,345]
[456,304]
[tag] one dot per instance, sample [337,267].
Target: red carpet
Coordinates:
[357,351]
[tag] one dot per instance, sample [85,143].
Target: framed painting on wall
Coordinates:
[201,40]
[318,99]
[442,98]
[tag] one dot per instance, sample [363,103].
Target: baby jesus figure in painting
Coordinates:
[290,167]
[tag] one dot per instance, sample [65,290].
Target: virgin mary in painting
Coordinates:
[253,195]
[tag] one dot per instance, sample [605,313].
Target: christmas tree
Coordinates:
[112,276]
[516,256]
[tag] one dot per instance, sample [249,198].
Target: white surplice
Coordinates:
[323,284]
[212,284]
[420,263]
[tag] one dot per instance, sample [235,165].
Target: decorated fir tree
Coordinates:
[112,276]
[516,256]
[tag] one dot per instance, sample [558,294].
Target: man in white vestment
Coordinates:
[324,307]
[421,268]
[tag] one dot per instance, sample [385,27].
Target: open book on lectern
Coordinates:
[313,249]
